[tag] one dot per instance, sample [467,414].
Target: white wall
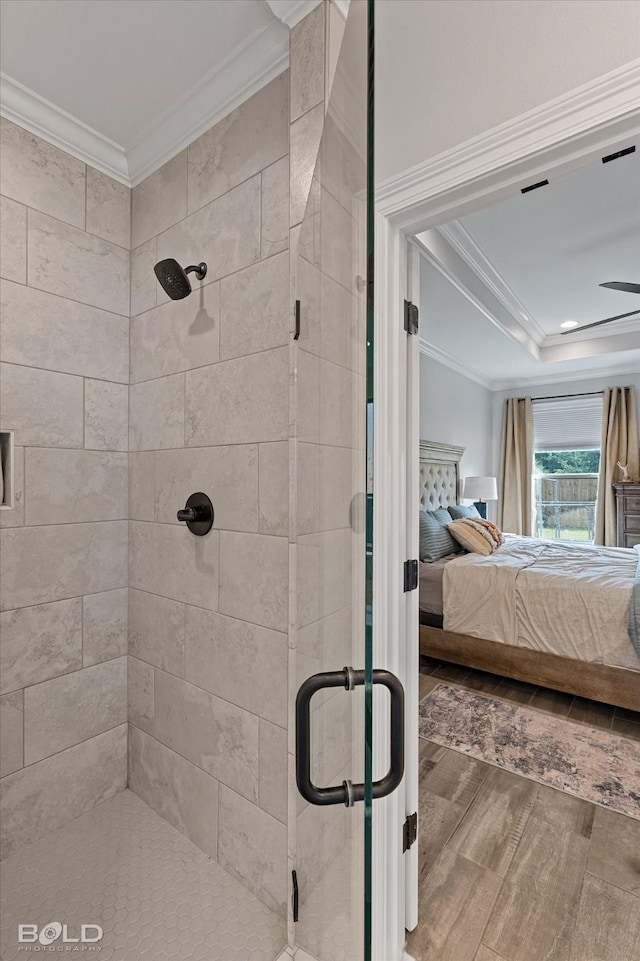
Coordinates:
[447,71]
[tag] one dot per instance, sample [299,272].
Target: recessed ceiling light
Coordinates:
[568,324]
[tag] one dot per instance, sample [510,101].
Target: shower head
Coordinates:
[174,279]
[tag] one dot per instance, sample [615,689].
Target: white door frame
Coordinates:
[556,138]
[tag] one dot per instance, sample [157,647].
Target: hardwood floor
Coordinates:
[511,870]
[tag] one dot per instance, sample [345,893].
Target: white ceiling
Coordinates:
[126,84]
[497,284]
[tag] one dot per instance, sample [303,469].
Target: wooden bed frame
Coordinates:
[439,484]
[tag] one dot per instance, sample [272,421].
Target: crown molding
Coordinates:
[544,380]
[454,363]
[291,12]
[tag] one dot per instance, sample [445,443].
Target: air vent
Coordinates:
[619,153]
[541,183]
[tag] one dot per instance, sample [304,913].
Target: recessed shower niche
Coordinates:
[7,460]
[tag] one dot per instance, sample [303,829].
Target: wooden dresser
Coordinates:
[628,506]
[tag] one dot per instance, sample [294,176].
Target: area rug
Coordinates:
[595,765]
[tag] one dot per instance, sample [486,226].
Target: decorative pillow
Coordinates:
[476,535]
[459,511]
[435,539]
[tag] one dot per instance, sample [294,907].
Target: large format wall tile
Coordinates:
[74,264]
[69,709]
[225,234]
[143,280]
[11,732]
[140,693]
[176,336]
[255,308]
[141,485]
[252,845]
[179,791]
[219,737]
[108,208]
[159,201]
[254,578]
[66,486]
[13,240]
[156,631]
[273,770]
[104,626]
[229,475]
[239,401]
[40,564]
[241,662]
[40,175]
[156,410]
[106,415]
[42,330]
[44,408]
[168,560]
[41,797]
[41,642]
[275,208]
[274,488]
[307,62]
[305,144]
[251,137]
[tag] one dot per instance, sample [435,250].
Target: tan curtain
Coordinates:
[619,443]
[515,506]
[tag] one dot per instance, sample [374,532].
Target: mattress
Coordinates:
[430,585]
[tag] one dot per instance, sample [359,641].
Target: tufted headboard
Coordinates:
[439,474]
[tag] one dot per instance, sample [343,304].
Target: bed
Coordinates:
[550,614]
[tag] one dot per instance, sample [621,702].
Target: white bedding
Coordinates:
[561,598]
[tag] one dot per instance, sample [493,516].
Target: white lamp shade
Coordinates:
[480,488]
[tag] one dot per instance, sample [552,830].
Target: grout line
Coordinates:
[63,373]
[85,740]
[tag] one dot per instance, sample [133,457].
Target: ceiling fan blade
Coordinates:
[622,285]
[598,323]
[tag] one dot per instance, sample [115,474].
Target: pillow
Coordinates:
[435,539]
[459,511]
[476,535]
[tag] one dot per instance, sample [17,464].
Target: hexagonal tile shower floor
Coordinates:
[156,895]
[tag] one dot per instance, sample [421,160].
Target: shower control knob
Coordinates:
[197,514]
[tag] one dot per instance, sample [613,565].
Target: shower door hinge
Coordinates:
[410,575]
[294,895]
[296,334]
[409,831]
[410,317]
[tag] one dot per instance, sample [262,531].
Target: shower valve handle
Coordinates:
[197,514]
[189,514]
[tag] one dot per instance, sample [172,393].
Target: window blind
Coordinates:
[568,423]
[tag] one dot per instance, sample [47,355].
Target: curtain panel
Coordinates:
[619,443]
[515,506]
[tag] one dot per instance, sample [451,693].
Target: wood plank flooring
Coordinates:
[511,870]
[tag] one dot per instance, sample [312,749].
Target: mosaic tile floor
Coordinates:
[155,894]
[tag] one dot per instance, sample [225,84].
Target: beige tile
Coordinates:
[108,208]
[72,263]
[327,316]
[337,242]
[321,835]
[326,484]
[67,486]
[69,709]
[176,336]
[141,486]
[273,770]
[86,558]
[106,415]
[11,728]
[39,643]
[219,737]
[241,662]
[254,578]
[327,409]
[179,791]
[253,847]
[255,308]
[140,694]
[607,926]
[104,626]
[274,488]
[143,280]
[159,201]
[325,574]
[156,631]
[192,574]
[251,137]
[156,411]
[305,144]
[41,797]
[239,401]
[614,853]
[41,330]
[486,954]
[229,475]
[225,234]
[13,240]
[40,175]
[275,208]
[44,408]
[307,62]
[15,516]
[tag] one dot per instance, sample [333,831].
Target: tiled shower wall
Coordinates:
[64,347]
[208,648]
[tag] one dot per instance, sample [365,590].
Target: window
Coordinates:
[567,433]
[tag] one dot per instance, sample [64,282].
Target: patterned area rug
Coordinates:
[595,765]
